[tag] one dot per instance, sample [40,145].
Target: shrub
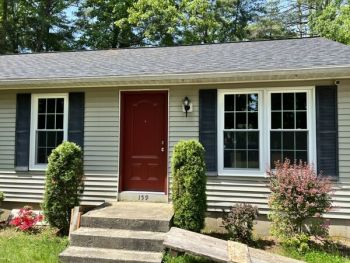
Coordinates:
[2,197]
[298,199]
[239,222]
[26,219]
[189,185]
[64,185]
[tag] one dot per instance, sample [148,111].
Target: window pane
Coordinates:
[275,156]
[59,138]
[51,139]
[276,140]
[229,120]
[50,121]
[253,102]
[241,102]
[300,99]
[241,140]
[301,140]
[41,156]
[276,101]
[241,159]
[41,137]
[42,106]
[301,156]
[229,140]
[59,121]
[51,105]
[253,140]
[276,120]
[41,121]
[289,155]
[301,120]
[288,120]
[59,105]
[229,158]
[253,159]
[241,120]
[288,140]
[252,120]
[288,101]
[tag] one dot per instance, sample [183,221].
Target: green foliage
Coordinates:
[189,185]
[298,199]
[239,222]
[184,259]
[64,184]
[333,22]
[96,22]
[155,21]
[20,247]
[2,197]
[300,242]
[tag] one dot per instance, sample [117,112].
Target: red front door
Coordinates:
[144,128]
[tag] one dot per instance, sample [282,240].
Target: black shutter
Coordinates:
[208,126]
[22,132]
[327,130]
[76,118]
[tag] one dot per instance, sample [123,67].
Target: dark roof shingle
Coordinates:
[229,57]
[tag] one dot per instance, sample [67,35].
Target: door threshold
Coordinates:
[141,196]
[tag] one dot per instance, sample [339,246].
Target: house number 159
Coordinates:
[143,197]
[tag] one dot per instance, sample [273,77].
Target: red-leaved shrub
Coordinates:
[26,219]
[298,199]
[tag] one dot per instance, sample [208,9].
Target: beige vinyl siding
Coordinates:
[100,150]
[7,130]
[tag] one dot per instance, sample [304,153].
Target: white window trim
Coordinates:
[264,116]
[34,123]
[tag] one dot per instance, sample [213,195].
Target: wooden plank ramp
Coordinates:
[218,250]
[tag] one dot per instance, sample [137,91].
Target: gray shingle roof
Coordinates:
[230,57]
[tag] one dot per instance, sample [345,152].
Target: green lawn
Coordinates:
[317,256]
[18,247]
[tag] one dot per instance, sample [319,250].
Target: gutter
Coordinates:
[321,73]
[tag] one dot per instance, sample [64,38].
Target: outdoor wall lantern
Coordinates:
[186,105]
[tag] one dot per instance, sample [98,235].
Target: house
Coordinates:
[249,103]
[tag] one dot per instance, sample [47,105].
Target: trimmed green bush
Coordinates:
[2,197]
[64,185]
[189,185]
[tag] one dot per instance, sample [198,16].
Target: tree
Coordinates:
[12,14]
[334,23]
[154,21]
[97,28]
[46,25]
[235,17]
[271,23]
[199,23]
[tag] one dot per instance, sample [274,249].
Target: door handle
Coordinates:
[162,149]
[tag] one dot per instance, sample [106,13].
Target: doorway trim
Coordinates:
[120,121]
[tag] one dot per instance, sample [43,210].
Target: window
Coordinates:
[48,127]
[257,128]
[288,132]
[241,132]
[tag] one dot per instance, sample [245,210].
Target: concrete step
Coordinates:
[103,255]
[130,215]
[118,239]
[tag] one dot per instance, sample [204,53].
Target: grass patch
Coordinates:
[19,247]
[316,256]
[183,259]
